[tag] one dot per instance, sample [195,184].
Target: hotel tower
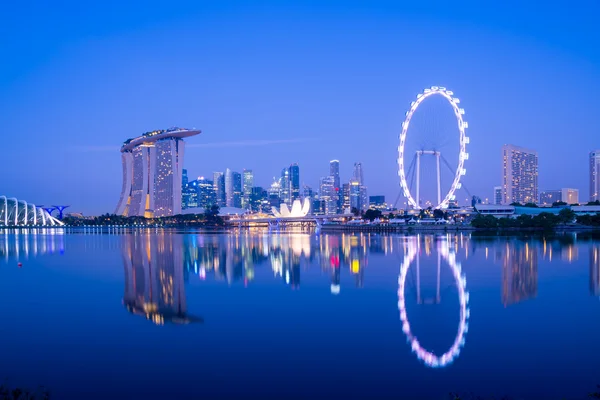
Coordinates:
[152,173]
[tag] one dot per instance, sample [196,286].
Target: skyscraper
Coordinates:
[205,190]
[497,194]
[355,195]
[237,189]
[334,170]
[327,195]
[358,173]
[595,175]
[284,190]
[233,188]
[219,185]
[345,197]
[153,173]
[520,175]
[294,182]
[247,185]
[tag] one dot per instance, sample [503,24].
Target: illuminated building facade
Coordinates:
[219,187]
[497,195]
[153,173]
[247,185]
[327,196]
[519,175]
[569,196]
[334,170]
[595,175]
[294,182]
[233,188]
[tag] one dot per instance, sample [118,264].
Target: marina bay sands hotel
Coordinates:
[152,173]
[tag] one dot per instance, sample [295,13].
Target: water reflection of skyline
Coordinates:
[154,285]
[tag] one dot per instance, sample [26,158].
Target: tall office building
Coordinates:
[219,185]
[184,177]
[520,175]
[497,194]
[355,195]
[567,195]
[274,192]
[327,195]
[233,188]
[595,175]
[153,173]
[205,190]
[284,186]
[334,170]
[294,182]
[345,197]
[247,185]
[189,195]
[358,173]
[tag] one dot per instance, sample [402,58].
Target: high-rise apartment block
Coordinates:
[519,175]
[595,175]
[153,173]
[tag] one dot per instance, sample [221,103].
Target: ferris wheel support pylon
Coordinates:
[439,178]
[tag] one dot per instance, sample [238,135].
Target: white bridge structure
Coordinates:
[18,213]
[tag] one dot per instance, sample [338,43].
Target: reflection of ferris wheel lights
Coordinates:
[428,357]
[335,289]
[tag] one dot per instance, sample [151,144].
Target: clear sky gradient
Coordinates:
[271,83]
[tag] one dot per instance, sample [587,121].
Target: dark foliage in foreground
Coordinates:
[7,393]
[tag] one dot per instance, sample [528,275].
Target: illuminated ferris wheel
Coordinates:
[415,165]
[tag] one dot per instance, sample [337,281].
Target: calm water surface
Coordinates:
[162,315]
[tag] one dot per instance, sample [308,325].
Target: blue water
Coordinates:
[168,315]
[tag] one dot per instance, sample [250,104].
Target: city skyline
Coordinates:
[261,101]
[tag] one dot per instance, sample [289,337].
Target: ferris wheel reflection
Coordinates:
[412,256]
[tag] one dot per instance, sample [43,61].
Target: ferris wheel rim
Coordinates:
[428,357]
[464,140]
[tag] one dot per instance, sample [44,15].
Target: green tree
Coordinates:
[372,214]
[559,204]
[566,215]
[438,214]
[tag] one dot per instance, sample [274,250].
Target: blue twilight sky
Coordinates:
[271,83]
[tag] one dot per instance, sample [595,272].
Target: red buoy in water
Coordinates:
[20,265]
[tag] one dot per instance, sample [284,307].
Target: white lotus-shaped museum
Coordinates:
[15,212]
[298,209]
